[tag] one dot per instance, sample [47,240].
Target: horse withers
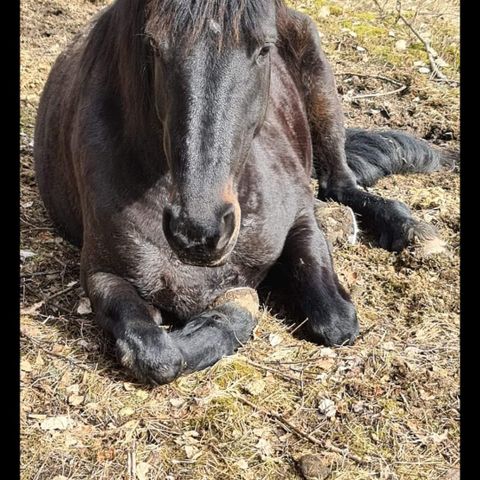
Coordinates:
[175,142]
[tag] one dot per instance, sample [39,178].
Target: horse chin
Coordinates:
[206,260]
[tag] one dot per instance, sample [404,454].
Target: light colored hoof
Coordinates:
[244,297]
[337,221]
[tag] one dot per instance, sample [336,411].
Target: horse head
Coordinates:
[211,86]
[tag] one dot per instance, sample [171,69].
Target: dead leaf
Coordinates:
[73,389]
[126,411]
[177,402]
[264,448]
[389,346]
[105,454]
[192,452]
[436,438]
[39,362]
[60,422]
[76,400]
[25,365]
[141,394]
[327,408]
[328,352]
[326,363]
[453,474]
[255,387]
[70,441]
[24,254]
[31,310]
[242,464]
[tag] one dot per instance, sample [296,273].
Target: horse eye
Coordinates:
[264,51]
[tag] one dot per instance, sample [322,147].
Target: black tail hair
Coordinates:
[372,155]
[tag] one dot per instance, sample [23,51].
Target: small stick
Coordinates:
[273,370]
[61,292]
[379,94]
[280,419]
[401,86]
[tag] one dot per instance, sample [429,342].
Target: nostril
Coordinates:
[227,227]
[167,220]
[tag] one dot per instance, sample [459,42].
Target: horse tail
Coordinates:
[372,155]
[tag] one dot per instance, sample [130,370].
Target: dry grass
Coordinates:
[395,393]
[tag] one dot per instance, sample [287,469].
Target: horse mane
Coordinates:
[119,55]
[187,21]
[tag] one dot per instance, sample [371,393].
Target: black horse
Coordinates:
[175,142]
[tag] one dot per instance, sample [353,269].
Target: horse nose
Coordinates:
[199,239]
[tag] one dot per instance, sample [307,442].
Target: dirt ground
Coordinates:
[386,408]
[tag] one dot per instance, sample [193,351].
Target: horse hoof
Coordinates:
[241,305]
[244,297]
[337,221]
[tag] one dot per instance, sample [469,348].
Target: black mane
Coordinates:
[187,21]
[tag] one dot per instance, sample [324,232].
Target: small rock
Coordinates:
[401,45]
[84,306]
[360,49]
[313,467]
[424,70]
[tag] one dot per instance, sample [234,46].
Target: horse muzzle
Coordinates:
[202,240]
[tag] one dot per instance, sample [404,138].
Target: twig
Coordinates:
[379,94]
[132,463]
[61,292]
[286,376]
[284,422]
[401,86]
[38,274]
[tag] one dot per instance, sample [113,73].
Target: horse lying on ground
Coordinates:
[175,141]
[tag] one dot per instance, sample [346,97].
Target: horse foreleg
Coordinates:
[307,270]
[142,343]
[146,348]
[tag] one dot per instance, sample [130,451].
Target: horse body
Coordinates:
[175,142]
